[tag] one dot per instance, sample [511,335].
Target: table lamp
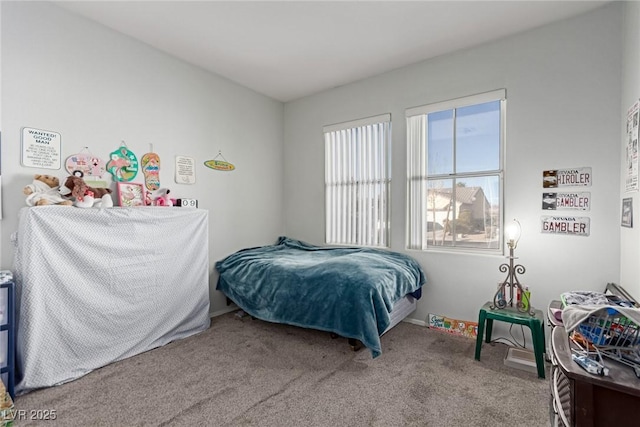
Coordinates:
[511,284]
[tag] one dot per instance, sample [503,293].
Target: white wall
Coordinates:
[96,87]
[630,237]
[563,110]
[64,73]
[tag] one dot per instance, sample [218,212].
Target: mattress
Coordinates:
[401,309]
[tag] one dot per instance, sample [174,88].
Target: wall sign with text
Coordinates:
[185,170]
[577,177]
[571,225]
[40,148]
[567,201]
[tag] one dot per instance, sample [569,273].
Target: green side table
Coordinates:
[512,315]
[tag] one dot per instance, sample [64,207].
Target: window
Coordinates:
[357,182]
[455,169]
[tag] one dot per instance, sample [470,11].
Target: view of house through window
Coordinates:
[357,182]
[455,173]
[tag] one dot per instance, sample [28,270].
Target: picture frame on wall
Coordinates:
[627,212]
[130,194]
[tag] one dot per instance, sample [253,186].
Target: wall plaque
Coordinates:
[40,148]
[573,225]
[576,177]
[567,201]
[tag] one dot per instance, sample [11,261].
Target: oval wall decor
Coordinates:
[219,165]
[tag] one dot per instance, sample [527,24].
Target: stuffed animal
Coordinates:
[44,191]
[160,197]
[84,195]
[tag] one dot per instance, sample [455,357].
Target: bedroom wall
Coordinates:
[630,237]
[96,87]
[563,86]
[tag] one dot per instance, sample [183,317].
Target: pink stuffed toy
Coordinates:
[160,197]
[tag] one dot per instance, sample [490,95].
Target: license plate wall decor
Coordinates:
[572,225]
[566,201]
[576,177]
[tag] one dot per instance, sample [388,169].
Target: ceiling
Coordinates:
[290,49]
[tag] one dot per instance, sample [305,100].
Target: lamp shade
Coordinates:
[512,233]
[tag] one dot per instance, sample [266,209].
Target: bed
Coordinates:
[356,293]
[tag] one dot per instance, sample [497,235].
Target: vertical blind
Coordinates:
[357,182]
[417,181]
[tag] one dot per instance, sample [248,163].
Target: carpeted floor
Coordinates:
[244,372]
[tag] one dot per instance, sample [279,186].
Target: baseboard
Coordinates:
[415,321]
[223,311]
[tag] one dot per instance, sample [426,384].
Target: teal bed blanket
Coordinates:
[344,290]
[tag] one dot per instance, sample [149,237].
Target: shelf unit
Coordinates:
[586,400]
[10,327]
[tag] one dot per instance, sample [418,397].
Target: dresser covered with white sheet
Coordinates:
[99,285]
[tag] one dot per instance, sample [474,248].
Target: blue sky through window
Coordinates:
[477,145]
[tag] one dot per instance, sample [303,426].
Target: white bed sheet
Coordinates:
[99,285]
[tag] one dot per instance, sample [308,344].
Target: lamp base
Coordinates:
[511,293]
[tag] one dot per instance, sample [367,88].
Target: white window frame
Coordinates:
[418,176]
[358,182]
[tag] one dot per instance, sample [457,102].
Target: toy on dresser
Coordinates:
[159,197]
[85,196]
[44,191]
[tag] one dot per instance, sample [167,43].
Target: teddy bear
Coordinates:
[84,195]
[44,191]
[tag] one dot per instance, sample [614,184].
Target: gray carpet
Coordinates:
[244,372]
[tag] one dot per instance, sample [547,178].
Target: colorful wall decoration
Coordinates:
[123,164]
[453,326]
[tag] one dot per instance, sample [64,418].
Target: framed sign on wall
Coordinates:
[130,194]
[627,212]
[185,170]
[40,148]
